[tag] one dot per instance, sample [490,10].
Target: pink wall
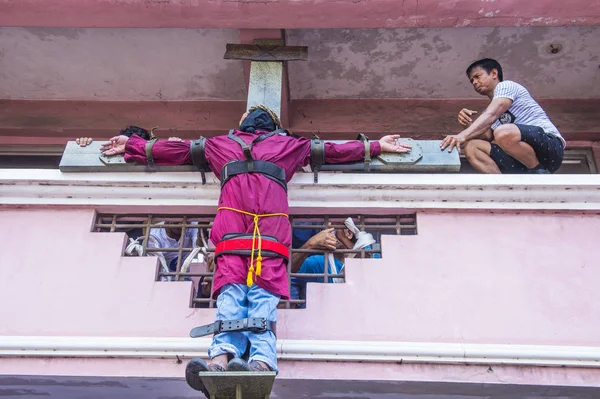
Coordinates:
[119,64]
[187,64]
[480,278]
[257,14]
[61,279]
[494,278]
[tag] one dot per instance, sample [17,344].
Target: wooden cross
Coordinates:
[267,57]
[266,69]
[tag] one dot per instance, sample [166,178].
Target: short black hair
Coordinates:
[138,131]
[488,64]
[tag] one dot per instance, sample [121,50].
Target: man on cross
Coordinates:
[251,229]
[513,135]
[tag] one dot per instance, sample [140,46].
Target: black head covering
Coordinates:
[138,131]
[258,120]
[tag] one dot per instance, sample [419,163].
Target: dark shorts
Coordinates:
[548,149]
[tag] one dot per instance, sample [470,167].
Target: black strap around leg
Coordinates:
[257,325]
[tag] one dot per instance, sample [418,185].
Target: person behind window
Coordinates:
[171,238]
[349,237]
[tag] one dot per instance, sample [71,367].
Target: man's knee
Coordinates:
[507,134]
[473,149]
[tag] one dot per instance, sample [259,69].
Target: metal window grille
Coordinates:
[188,232]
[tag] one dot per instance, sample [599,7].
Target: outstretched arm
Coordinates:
[355,150]
[134,150]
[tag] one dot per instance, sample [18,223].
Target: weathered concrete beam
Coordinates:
[26,122]
[90,159]
[424,157]
[293,14]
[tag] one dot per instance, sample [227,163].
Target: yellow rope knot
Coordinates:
[255,235]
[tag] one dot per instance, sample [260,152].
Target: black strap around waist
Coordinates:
[256,325]
[268,169]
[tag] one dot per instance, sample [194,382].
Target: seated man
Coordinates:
[513,135]
[329,239]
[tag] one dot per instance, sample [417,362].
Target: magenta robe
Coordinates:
[251,192]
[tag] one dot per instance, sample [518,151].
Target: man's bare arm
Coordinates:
[484,123]
[324,240]
[480,127]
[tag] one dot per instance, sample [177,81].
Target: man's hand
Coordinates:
[84,141]
[390,143]
[323,240]
[452,141]
[210,262]
[464,117]
[115,146]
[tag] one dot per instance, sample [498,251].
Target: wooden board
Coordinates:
[239,384]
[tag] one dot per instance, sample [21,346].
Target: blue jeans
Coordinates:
[238,301]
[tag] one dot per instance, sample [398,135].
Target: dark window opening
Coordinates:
[181,244]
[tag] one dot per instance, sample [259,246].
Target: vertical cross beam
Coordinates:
[248,36]
[266,69]
[265,85]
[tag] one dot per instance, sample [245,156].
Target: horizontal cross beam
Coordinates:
[266,52]
[424,157]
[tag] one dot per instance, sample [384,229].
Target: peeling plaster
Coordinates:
[430,63]
[188,64]
[48,34]
[119,64]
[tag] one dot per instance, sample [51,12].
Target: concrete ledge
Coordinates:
[307,350]
[335,192]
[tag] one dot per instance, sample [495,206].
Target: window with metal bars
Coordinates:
[181,244]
